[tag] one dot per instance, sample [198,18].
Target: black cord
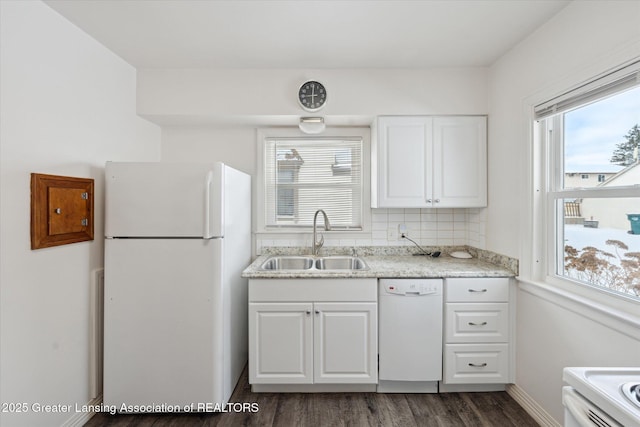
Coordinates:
[432,254]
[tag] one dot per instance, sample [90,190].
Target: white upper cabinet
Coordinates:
[430,162]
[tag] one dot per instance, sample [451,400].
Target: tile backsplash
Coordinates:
[428,227]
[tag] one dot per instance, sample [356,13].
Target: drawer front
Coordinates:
[321,289]
[481,322]
[477,290]
[476,363]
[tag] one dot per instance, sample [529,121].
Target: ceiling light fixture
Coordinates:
[312,125]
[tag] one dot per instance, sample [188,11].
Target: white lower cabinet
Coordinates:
[311,342]
[476,363]
[477,332]
[282,346]
[477,323]
[345,335]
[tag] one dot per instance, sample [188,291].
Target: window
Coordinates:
[594,232]
[304,174]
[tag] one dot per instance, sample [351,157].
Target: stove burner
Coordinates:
[632,392]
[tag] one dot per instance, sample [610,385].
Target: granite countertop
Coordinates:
[404,265]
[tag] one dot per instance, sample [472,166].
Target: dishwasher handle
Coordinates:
[412,293]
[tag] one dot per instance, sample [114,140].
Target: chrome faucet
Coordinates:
[315,245]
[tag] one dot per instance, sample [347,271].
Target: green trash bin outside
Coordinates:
[634,219]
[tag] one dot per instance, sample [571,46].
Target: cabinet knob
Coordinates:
[428,200]
[308,312]
[317,311]
[437,201]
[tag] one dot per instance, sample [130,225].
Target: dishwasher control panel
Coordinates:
[410,287]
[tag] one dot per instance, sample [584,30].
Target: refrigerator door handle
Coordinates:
[207,206]
[214,195]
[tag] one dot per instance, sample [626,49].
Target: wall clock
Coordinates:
[312,95]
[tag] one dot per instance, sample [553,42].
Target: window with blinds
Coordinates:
[303,175]
[590,236]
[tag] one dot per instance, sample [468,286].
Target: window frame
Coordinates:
[541,259]
[332,133]
[555,195]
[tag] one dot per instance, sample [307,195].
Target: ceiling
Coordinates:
[308,34]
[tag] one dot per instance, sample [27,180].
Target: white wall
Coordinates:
[247,96]
[67,105]
[582,41]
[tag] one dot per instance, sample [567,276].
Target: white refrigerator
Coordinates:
[175,328]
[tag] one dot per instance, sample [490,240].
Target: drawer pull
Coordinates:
[476,290]
[477,324]
[476,365]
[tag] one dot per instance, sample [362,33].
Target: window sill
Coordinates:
[614,318]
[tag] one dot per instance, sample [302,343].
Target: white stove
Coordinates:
[601,397]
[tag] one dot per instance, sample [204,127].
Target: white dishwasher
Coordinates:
[410,335]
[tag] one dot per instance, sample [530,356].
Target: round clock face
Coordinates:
[312,95]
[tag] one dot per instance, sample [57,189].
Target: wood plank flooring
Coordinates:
[496,409]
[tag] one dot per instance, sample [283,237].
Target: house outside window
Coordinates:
[593,238]
[300,174]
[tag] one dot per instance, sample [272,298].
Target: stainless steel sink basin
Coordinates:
[288,263]
[305,263]
[341,263]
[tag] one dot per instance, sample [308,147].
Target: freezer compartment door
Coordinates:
[164,200]
[163,332]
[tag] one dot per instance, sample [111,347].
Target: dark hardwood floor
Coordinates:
[495,409]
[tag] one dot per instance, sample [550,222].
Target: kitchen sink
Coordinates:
[304,263]
[341,263]
[288,263]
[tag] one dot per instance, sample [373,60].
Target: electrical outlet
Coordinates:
[402,230]
[392,234]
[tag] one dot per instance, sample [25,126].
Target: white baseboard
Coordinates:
[532,407]
[80,418]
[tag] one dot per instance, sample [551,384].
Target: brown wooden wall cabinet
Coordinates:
[61,210]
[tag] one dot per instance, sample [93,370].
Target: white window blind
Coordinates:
[609,84]
[303,175]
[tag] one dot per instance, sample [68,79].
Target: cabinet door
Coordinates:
[280,343]
[345,343]
[404,151]
[460,161]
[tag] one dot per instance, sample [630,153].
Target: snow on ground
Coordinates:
[579,237]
